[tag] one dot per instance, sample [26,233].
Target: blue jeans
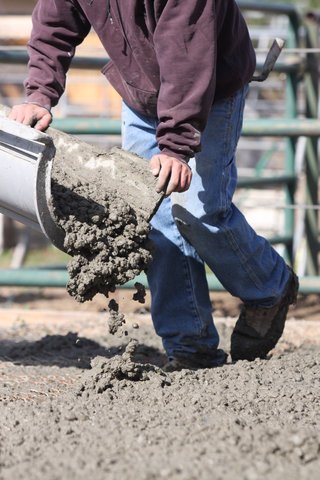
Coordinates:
[203,225]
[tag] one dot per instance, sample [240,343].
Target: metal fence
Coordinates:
[298,69]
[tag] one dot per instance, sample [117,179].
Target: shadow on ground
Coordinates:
[69,350]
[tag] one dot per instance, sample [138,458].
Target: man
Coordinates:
[182,69]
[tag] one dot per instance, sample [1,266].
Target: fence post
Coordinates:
[312,165]
[290,142]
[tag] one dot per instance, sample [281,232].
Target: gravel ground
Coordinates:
[73,407]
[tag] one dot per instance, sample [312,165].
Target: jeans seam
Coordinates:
[240,117]
[226,143]
[225,149]
[242,259]
[189,283]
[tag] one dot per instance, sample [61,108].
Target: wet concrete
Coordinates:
[107,237]
[116,318]
[123,417]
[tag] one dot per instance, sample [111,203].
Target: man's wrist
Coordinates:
[38,105]
[39,99]
[179,156]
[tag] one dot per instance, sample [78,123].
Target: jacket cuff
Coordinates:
[41,100]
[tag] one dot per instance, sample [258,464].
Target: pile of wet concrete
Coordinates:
[106,237]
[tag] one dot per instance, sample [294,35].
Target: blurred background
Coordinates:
[278,170]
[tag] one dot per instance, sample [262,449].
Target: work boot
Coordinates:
[258,330]
[196,362]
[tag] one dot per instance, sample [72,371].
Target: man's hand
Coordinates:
[30,114]
[173,175]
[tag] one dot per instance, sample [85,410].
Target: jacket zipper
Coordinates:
[109,12]
[108,9]
[121,25]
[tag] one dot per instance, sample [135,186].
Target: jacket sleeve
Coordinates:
[185,44]
[58,27]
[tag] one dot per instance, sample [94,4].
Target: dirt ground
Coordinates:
[71,407]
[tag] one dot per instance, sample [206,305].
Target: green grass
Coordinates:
[49,255]
[5,259]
